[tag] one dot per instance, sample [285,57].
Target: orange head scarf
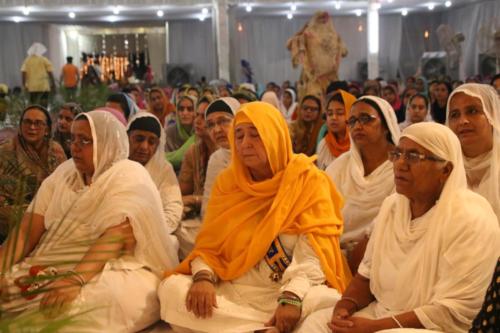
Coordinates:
[335,147]
[244,217]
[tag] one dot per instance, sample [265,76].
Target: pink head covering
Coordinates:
[118,115]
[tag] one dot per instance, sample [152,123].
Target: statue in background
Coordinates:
[318,48]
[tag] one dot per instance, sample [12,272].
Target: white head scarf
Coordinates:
[489,187]
[37,49]
[363,195]
[442,255]
[120,189]
[231,102]
[110,140]
[271,98]
[288,113]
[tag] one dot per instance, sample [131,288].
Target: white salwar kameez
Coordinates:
[217,162]
[121,298]
[363,194]
[438,265]
[163,175]
[483,172]
[244,304]
[325,157]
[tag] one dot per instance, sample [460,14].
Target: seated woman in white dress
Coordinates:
[269,243]
[432,252]
[364,175]
[474,115]
[218,118]
[147,139]
[97,232]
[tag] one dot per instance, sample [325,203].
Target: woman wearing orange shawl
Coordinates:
[159,104]
[304,131]
[271,233]
[336,141]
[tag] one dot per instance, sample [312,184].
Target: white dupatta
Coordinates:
[438,265]
[489,186]
[120,189]
[363,194]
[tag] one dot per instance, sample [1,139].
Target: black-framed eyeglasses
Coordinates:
[221,122]
[412,157]
[363,120]
[34,123]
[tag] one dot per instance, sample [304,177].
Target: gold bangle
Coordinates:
[204,276]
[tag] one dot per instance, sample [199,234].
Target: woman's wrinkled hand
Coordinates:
[285,318]
[60,295]
[201,299]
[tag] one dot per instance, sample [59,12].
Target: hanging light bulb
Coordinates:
[289,16]
[240,27]
[404,12]
[160,13]
[248,8]
[293,7]
[116,10]
[426,34]
[26,10]
[72,15]
[447,4]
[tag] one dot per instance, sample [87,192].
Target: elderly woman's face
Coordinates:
[82,148]
[34,126]
[422,177]
[143,145]
[368,128]
[466,118]
[249,147]
[218,124]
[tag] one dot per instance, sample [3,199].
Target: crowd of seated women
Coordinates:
[214,211]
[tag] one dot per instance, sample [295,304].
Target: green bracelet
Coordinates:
[289,301]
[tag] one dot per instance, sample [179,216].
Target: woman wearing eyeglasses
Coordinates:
[364,174]
[25,161]
[94,241]
[433,249]
[67,113]
[474,116]
[305,130]
[217,119]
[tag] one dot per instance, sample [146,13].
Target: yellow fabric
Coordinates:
[36,68]
[244,217]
